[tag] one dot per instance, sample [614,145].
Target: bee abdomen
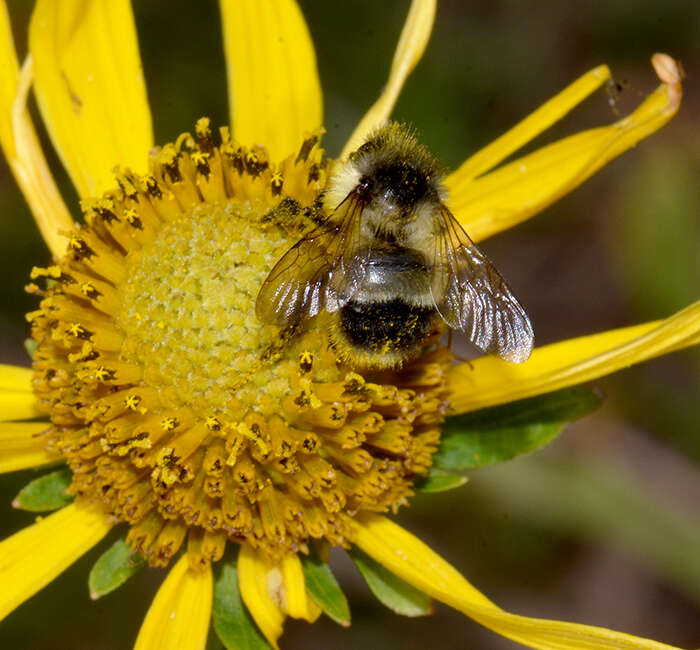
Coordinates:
[388,331]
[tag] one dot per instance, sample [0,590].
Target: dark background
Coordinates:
[603,526]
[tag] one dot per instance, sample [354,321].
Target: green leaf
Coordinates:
[439,481]
[232,622]
[47,492]
[500,433]
[324,589]
[393,592]
[113,568]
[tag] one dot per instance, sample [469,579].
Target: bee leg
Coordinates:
[274,350]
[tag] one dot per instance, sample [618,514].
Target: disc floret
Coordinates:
[174,407]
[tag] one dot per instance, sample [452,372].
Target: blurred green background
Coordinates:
[603,526]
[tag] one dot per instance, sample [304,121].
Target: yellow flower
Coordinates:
[165,270]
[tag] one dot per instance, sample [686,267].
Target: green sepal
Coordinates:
[499,433]
[47,492]
[439,481]
[397,595]
[113,568]
[232,622]
[325,590]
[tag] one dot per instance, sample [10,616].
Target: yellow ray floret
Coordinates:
[17,405]
[179,614]
[297,602]
[15,378]
[488,380]
[414,39]
[90,88]
[23,445]
[258,579]
[17,398]
[274,91]
[34,556]
[417,564]
[538,121]
[504,197]
[21,146]
[9,69]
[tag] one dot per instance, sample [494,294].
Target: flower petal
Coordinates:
[297,602]
[21,146]
[273,86]
[258,579]
[90,88]
[179,614]
[540,120]
[22,445]
[488,380]
[18,405]
[414,39]
[9,69]
[15,378]
[17,399]
[34,556]
[416,563]
[516,191]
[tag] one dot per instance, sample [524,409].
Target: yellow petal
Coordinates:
[260,583]
[179,614]
[34,556]
[21,147]
[9,69]
[514,192]
[15,378]
[414,39]
[90,88]
[296,602]
[18,405]
[273,86]
[487,381]
[23,445]
[17,399]
[416,563]
[540,120]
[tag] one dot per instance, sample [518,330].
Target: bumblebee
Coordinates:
[389,263]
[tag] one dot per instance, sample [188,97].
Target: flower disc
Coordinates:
[175,407]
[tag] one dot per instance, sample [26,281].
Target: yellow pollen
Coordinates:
[103,374]
[75,329]
[254,436]
[132,403]
[180,412]
[169,424]
[306,361]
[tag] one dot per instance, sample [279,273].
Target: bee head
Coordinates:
[398,182]
[391,168]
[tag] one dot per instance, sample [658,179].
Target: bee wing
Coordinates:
[315,273]
[472,296]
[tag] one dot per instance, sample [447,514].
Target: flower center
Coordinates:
[187,309]
[175,407]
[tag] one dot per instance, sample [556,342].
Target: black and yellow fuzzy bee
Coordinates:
[390,262]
